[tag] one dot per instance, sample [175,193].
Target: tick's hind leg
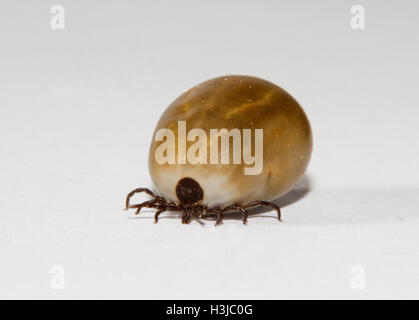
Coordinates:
[239,207]
[219,212]
[265,204]
[220,217]
[245,214]
[242,208]
[156,216]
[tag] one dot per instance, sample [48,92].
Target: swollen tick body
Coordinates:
[202,158]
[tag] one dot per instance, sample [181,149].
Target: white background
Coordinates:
[78,107]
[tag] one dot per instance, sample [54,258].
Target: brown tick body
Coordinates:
[203,189]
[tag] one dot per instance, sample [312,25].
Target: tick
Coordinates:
[227,144]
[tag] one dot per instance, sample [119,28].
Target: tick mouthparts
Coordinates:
[186,218]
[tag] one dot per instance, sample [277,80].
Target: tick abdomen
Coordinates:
[237,102]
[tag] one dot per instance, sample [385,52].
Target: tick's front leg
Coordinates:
[139,190]
[146,204]
[156,216]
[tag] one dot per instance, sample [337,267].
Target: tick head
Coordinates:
[189,191]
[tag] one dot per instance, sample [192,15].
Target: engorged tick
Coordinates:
[187,177]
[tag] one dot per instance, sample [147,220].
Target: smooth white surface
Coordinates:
[77,110]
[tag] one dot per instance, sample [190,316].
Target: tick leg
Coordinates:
[239,207]
[202,213]
[147,204]
[159,203]
[218,212]
[245,214]
[220,216]
[139,190]
[265,204]
[156,216]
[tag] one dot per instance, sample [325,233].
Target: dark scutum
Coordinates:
[189,191]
